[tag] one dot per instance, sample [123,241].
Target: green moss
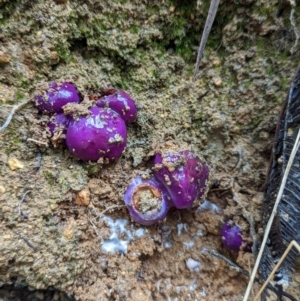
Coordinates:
[92,168]
[19,95]
[64,54]
[49,177]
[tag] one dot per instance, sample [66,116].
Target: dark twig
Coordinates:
[37,164]
[20,203]
[242,271]
[207,27]
[26,240]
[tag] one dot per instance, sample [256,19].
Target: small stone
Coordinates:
[54,58]
[264,135]
[4,58]
[2,189]
[14,164]
[216,62]
[217,81]
[172,9]
[232,102]
[83,197]
[218,120]
[235,129]
[53,206]
[68,230]
[258,199]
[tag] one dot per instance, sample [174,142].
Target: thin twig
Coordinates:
[100,215]
[207,27]
[94,226]
[242,271]
[13,111]
[107,209]
[293,22]
[37,141]
[20,203]
[26,240]
[270,222]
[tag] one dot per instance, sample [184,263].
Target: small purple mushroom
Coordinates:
[59,122]
[232,238]
[183,175]
[120,102]
[102,134]
[147,201]
[52,97]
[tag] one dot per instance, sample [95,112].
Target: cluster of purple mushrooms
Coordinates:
[180,177]
[97,134]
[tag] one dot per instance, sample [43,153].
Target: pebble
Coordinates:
[83,197]
[4,58]
[15,163]
[217,81]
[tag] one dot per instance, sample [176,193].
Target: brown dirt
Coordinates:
[80,238]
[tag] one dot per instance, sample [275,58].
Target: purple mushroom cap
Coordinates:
[147,201]
[55,96]
[102,134]
[231,237]
[183,175]
[59,122]
[121,103]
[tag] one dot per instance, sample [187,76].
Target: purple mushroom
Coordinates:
[232,238]
[183,175]
[120,102]
[102,134]
[59,122]
[54,96]
[147,201]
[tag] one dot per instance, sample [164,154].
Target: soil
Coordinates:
[71,231]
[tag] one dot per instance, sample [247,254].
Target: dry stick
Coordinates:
[279,195]
[207,27]
[293,243]
[293,22]
[37,141]
[13,111]
[107,209]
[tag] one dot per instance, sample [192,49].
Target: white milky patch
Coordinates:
[207,205]
[120,236]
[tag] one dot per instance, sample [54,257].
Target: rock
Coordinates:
[14,164]
[4,58]
[83,197]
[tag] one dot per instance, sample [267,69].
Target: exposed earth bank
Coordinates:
[90,248]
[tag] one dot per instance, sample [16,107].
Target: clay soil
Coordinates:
[71,230]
